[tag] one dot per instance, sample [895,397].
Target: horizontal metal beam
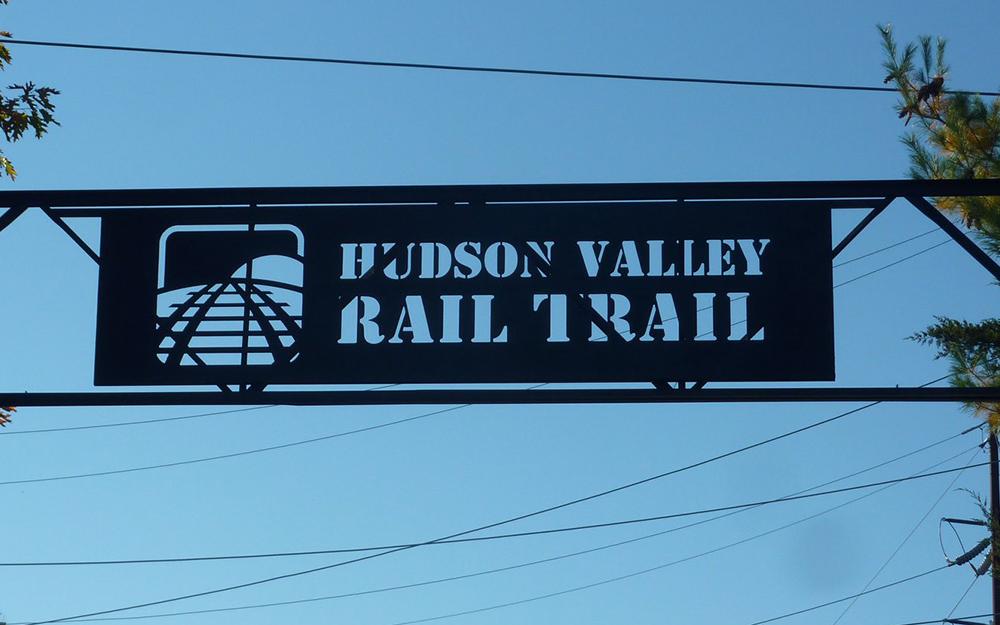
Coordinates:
[493,396]
[610,205]
[876,189]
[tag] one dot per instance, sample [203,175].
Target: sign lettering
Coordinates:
[551,292]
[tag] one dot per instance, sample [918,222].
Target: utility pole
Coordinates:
[992,542]
[994,519]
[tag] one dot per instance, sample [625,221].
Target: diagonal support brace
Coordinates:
[953,231]
[681,386]
[10,215]
[870,217]
[72,234]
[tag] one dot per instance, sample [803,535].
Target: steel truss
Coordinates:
[871,195]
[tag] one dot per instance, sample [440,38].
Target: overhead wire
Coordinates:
[902,543]
[849,597]
[236,454]
[285,554]
[633,521]
[560,557]
[660,567]
[845,282]
[502,522]
[886,248]
[589,586]
[465,68]
[893,264]
[97,426]
[962,598]
[700,511]
[555,594]
[247,452]
[619,523]
[934,621]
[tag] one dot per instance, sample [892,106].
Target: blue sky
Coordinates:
[137,121]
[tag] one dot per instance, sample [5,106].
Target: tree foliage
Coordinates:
[974,352]
[24,108]
[955,135]
[5,418]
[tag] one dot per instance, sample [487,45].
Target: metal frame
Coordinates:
[874,195]
[502,396]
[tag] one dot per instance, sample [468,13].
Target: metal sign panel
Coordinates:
[455,293]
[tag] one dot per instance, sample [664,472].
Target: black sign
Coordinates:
[548,292]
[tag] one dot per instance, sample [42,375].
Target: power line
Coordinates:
[560,557]
[98,426]
[886,248]
[531,533]
[893,264]
[740,506]
[902,544]
[286,554]
[620,578]
[237,454]
[149,421]
[964,595]
[848,598]
[519,602]
[467,68]
[248,452]
[487,526]
[855,279]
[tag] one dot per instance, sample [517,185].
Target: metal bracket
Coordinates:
[870,217]
[953,231]
[72,233]
[10,215]
[680,386]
